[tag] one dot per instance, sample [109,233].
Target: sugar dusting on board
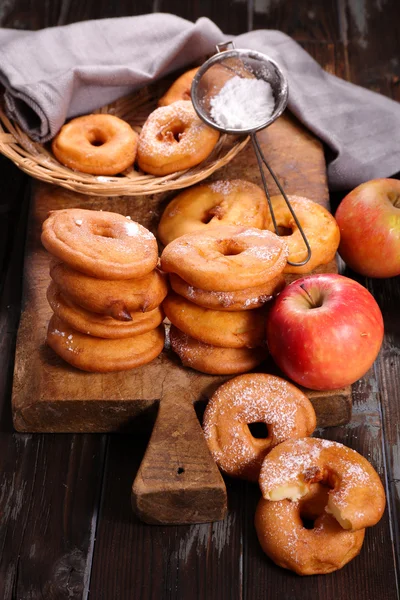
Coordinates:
[243,104]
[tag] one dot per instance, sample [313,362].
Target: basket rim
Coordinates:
[37,161]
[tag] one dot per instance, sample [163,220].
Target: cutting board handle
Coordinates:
[178,480]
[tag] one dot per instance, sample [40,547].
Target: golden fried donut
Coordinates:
[356,498]
[214,360]
[239,329]
[101,244]
[235,202]
[254,398]
[246,299]
[100,355]
[227,258]
[180,89]
[319,226]
[117,299]
[324,548]
[174,138]
[97,144]
[97,325]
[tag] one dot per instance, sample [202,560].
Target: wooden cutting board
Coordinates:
[178,481]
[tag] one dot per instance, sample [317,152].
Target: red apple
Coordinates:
[369,223]
[324,331]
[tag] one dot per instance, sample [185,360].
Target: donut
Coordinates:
[246,299]
[235,202]
[100,244]
[319,226]
[323,548]
[97,325]
[254,398]
[180,89]
[214,360]
[356,498]
[97,144]
[227,259]
[174,139]
[100,355]
[240,329]
[117,299]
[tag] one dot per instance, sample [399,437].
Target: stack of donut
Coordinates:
[318,495]
[221,279]
[105,291]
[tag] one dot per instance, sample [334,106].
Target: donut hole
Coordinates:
[230,248]
[307,522]
[216,211]
[283,231]
[313,505]
[96,137]
[104,231]
[258,430]
[172,133]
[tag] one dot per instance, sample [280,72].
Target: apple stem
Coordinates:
[309,295]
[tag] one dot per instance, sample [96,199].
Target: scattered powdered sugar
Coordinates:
[78,222]
[128,217]
[243,104]
[222,186]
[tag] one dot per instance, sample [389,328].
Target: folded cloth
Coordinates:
[61,72]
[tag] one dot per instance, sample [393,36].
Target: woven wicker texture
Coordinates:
[38,161]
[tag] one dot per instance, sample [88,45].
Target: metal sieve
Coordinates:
[208,82]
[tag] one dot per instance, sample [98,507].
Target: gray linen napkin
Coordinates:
[61,72]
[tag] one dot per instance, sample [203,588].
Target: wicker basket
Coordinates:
[38,161]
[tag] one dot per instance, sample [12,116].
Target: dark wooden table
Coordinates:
[66,526]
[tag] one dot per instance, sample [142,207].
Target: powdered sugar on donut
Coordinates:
[248,399]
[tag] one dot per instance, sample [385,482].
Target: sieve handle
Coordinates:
[262,160]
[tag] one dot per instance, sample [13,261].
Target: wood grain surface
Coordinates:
[120,557]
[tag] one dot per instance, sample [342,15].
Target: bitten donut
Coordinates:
[254,398]
[96,144]
[97,325]
[173,139]
[214,360]
[180,89]
[100,244]
[235,202]
[246,299]
[227,258]
[356,498]
[324,548]
[117,299]
[100,355]
[320,229]
[240,329]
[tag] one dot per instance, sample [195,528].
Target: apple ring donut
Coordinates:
[117,299]
[97,325]
[240,329]
[284,538]
[96,144]
[254,398]
[227,258]
[319,226]
[235,202]
[214,360]
[356,498]
[100,244]
[180,89]
[100,355]
[246,299]
[173,139]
